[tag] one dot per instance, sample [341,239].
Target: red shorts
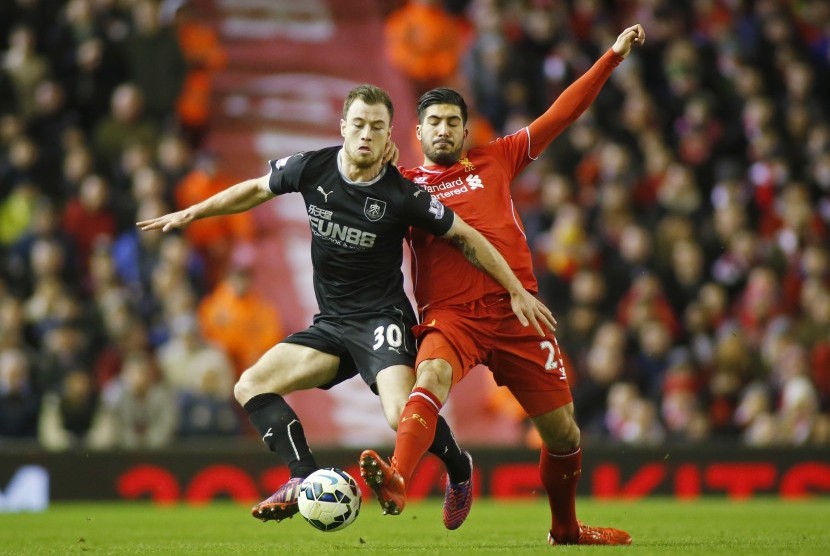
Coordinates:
[487,332]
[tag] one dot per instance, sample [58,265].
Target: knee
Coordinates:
[435,375]
[559,430]
[247,387]
[242,390]
[392,411]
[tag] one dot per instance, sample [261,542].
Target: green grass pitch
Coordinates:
[659,526]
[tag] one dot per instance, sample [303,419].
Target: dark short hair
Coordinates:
[442,95]
[369,94]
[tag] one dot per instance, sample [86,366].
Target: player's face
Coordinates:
[442,134]
[365,132]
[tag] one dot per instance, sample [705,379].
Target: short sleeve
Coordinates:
[285,174]
[425,211]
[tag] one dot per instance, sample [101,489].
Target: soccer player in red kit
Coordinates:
[465,314]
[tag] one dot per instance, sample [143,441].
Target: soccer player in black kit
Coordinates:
[359,210]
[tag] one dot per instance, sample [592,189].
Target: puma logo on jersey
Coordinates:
[432,323]
[325,195]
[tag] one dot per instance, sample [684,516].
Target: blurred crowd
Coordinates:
[680,226]
[110,338]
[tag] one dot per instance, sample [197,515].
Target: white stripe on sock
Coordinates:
[291,439]
[427,398]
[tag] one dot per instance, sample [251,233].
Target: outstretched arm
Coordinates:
[581,93]
[237,198]
[484,256]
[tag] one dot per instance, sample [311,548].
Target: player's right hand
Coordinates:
[167,222]
[391,153]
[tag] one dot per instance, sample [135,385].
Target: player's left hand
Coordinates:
[391,153]
[631,37]
[531,311]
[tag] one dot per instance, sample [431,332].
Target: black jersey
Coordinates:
[357,229]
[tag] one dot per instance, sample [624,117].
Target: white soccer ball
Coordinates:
[329,499]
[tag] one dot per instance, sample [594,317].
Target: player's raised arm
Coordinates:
[236,198]
[484,256]
[574,100]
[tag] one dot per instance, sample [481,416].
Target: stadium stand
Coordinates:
[680,226]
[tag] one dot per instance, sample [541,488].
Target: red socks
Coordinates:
[416,430]
[560,473]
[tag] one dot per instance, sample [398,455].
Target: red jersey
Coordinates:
[477,188]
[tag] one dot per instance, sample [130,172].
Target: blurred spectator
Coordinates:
[77,164]
[204,55]
[641,425]
[154,61]
[186,356]
[143,405]
[88,218]
[685,275]
[124,126]
[136,254]
[567,249]
[734,368]
[16,212]
[19,401]
[654,343]
[423,41]
[93,79]
[604,367]
[490,69]
[681,406]
[44,233]
[208,410]
[25,67]
[623,261]
[65,348]
[52,120]
[202,378]
[213,238]
[236,318]
[581,318]
[175,159]
[73,417]
[644,301]
[22,165]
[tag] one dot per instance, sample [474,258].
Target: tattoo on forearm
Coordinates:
[468,251]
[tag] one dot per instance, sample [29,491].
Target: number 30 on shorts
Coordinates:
[391,335]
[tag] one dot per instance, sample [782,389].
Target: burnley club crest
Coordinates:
[374,209]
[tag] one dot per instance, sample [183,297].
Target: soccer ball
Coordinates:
[329,499]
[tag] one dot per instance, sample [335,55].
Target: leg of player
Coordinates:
[560,467]
[421,429]
[283,369]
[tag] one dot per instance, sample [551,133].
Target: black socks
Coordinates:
[280,430]
[446,448]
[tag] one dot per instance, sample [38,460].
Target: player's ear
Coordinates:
[418,131]
[342,127]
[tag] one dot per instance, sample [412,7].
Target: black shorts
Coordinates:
[366,344]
